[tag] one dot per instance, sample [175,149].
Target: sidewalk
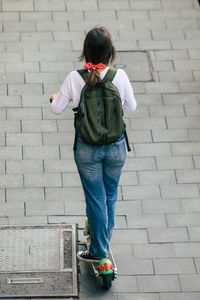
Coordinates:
[157,237]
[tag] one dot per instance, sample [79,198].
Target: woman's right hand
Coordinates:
[54,96]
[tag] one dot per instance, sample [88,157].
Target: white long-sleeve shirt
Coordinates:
[74,83]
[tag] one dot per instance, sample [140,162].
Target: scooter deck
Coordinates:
[95,265]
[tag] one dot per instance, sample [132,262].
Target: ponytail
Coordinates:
[93,78]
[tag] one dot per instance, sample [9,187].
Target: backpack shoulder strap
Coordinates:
[110,75]
[83,73]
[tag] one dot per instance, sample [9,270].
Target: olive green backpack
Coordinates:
[99,116]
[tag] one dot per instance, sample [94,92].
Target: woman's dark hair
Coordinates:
[97,48]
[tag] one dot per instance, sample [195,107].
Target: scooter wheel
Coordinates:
[107,281]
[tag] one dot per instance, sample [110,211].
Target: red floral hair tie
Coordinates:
[90,66]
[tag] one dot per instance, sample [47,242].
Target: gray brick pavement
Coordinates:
[157,237]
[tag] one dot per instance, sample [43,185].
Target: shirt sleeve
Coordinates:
[129,103]
[60,103]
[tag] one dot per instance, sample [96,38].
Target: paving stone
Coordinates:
[179,191]
[164,14]
[39,126]
[174,163]
[190,283]
[40,152]
[154,45]
[166,110]
[11,78]
[2,167]
[181,122]
[197,264]
[12,210]
[146,221]
[140,296]
[144,5]
[24,89]
[35,16]
[35,100]
[71,179]
[167,34]
[181,24]
[182,220]
[184,65]
[24,195]
[179,296]
[128,264]
[196,75]
[139,136]
[167,235]
[42,180]
[79,5]
[194,135]
[186,44]
[65,125]
[197,161]
[67,16]
[60,138]
[24,166]
[9,16]
[170,4]
[194,54]
[71,193]
[49,5]
[129,237]
[19,46]
[176,76]
[171,54]
[173,135]
[55,46]
[17,6]
[131,208]
[52,26]
[191,148]
[35,220]
[28,139]
[161,87]
[147,150]
[43,209]
[4,221]
[154,99]
[24,114]
[162,66]
[2,139]
[188,176]
[180,99]
[140,192]
[174,266]
[192,110]
[187,249]
[9,37]
[159,250]
[158,283]
[133,15]
[63,166]
[58,66]
[8,152]
[191,205]
[114,5]
[161,207]
[42,77]
[36,36]
[156,177]
[11,181]
[148,24]
[128,178]
[19,26]
[148,123]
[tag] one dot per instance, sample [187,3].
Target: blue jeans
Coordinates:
[100,168]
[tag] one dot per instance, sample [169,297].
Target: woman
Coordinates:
[99,167]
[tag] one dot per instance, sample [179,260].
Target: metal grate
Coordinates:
[38,261]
